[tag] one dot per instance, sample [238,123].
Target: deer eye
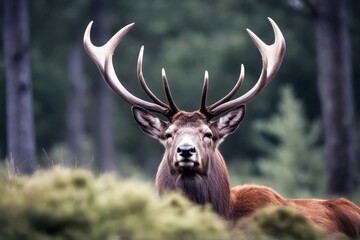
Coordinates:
[208,135]
[168,135]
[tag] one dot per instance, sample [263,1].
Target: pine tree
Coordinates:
[293,162]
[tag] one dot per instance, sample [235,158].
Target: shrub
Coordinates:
[74,204]
[278,223]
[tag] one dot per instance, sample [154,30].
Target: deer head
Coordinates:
[191,139]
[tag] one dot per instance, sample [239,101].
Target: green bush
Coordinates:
[74,204]
[277,223]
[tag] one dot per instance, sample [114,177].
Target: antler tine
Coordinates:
[274,53]
[203,107]
[173,107]
[272,56]
[143,82]
[102,56]
[233,91]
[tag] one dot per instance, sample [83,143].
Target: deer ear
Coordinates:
[230,121]
[148,122]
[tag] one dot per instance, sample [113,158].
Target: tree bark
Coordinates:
[20,130]
[335,89]
[103,138]
[75,104]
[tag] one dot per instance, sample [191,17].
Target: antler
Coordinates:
[102,56]
[272,56]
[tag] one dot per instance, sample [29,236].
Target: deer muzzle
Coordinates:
[186,156]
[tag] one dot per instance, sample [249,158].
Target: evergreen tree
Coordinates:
[293,162]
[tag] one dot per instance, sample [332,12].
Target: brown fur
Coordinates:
[212,188]
[333,216]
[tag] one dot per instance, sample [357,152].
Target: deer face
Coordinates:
[190,139]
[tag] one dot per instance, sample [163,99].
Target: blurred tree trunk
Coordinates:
[103,139]
[75,104]
[20,132]
[335,89]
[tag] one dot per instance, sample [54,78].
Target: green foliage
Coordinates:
[73,204]
[65,203]
[278,223]
[293,162]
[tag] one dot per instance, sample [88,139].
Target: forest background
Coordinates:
[285,140]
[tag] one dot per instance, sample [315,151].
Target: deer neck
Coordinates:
[211,188]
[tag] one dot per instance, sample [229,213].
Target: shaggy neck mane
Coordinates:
[213,188]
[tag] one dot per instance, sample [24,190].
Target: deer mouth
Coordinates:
[187,163]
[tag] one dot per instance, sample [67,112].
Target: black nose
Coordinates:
[186,150]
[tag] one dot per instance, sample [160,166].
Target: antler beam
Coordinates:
[102,56]
[272,56]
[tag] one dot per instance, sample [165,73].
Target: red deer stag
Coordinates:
[192,162]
